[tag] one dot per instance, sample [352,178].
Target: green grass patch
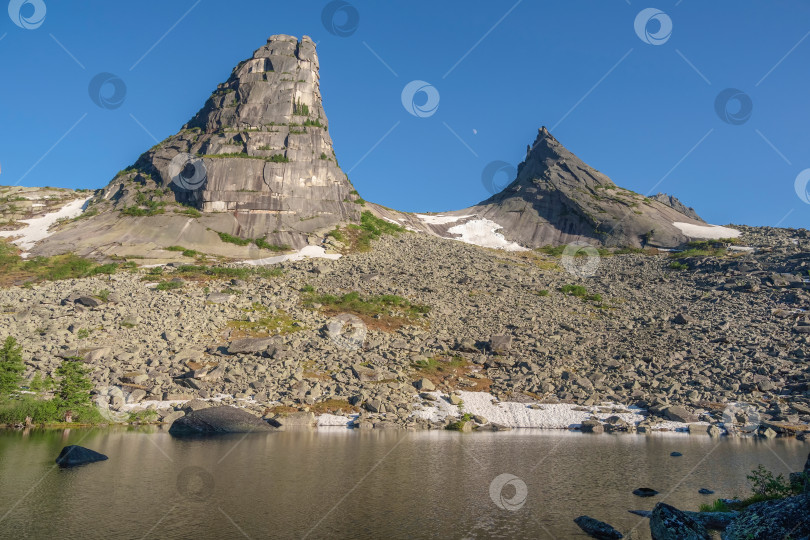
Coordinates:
[169,285]
[677,265]
[386,304]
[14,269]
[279,323]
[225,237]
[222,272]
[190,212]
[580,292]
[264,244]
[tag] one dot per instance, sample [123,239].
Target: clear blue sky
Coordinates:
[651,117]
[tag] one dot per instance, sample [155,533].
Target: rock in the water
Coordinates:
[645,492]
[675,454]
[597,529]
[669,523]
[704,491]
[73,455]
[782,518]
[215,420]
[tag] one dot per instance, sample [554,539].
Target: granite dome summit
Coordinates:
[257,163]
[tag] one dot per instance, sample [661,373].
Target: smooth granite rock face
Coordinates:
[270,113]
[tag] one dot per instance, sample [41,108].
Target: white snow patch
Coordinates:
[331,420]
[304,253]
[709,232]
[519,415]
[439,219]
[481,232]
[740,248]
[37,228]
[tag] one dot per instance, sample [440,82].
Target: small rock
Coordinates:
[645,492]
[704,491]
[73,455]
[675,454]
[424,384]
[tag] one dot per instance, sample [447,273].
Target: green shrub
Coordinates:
[542,292]
[677,265]
[11,367]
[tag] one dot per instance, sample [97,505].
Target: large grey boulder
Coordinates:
[250,345]
[73,455]
[218,420]
[783,518]
[669,523]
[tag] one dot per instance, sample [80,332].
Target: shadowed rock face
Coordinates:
[674,202]
[557,198]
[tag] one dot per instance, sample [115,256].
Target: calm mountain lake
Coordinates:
[338,483]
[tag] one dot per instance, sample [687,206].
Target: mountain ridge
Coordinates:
[256,164]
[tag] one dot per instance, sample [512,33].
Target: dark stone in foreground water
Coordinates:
[74,455]
[669,523]
[597,529]
[218,420]
[645,492]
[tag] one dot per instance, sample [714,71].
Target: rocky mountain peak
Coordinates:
[258,154]
[557,198]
